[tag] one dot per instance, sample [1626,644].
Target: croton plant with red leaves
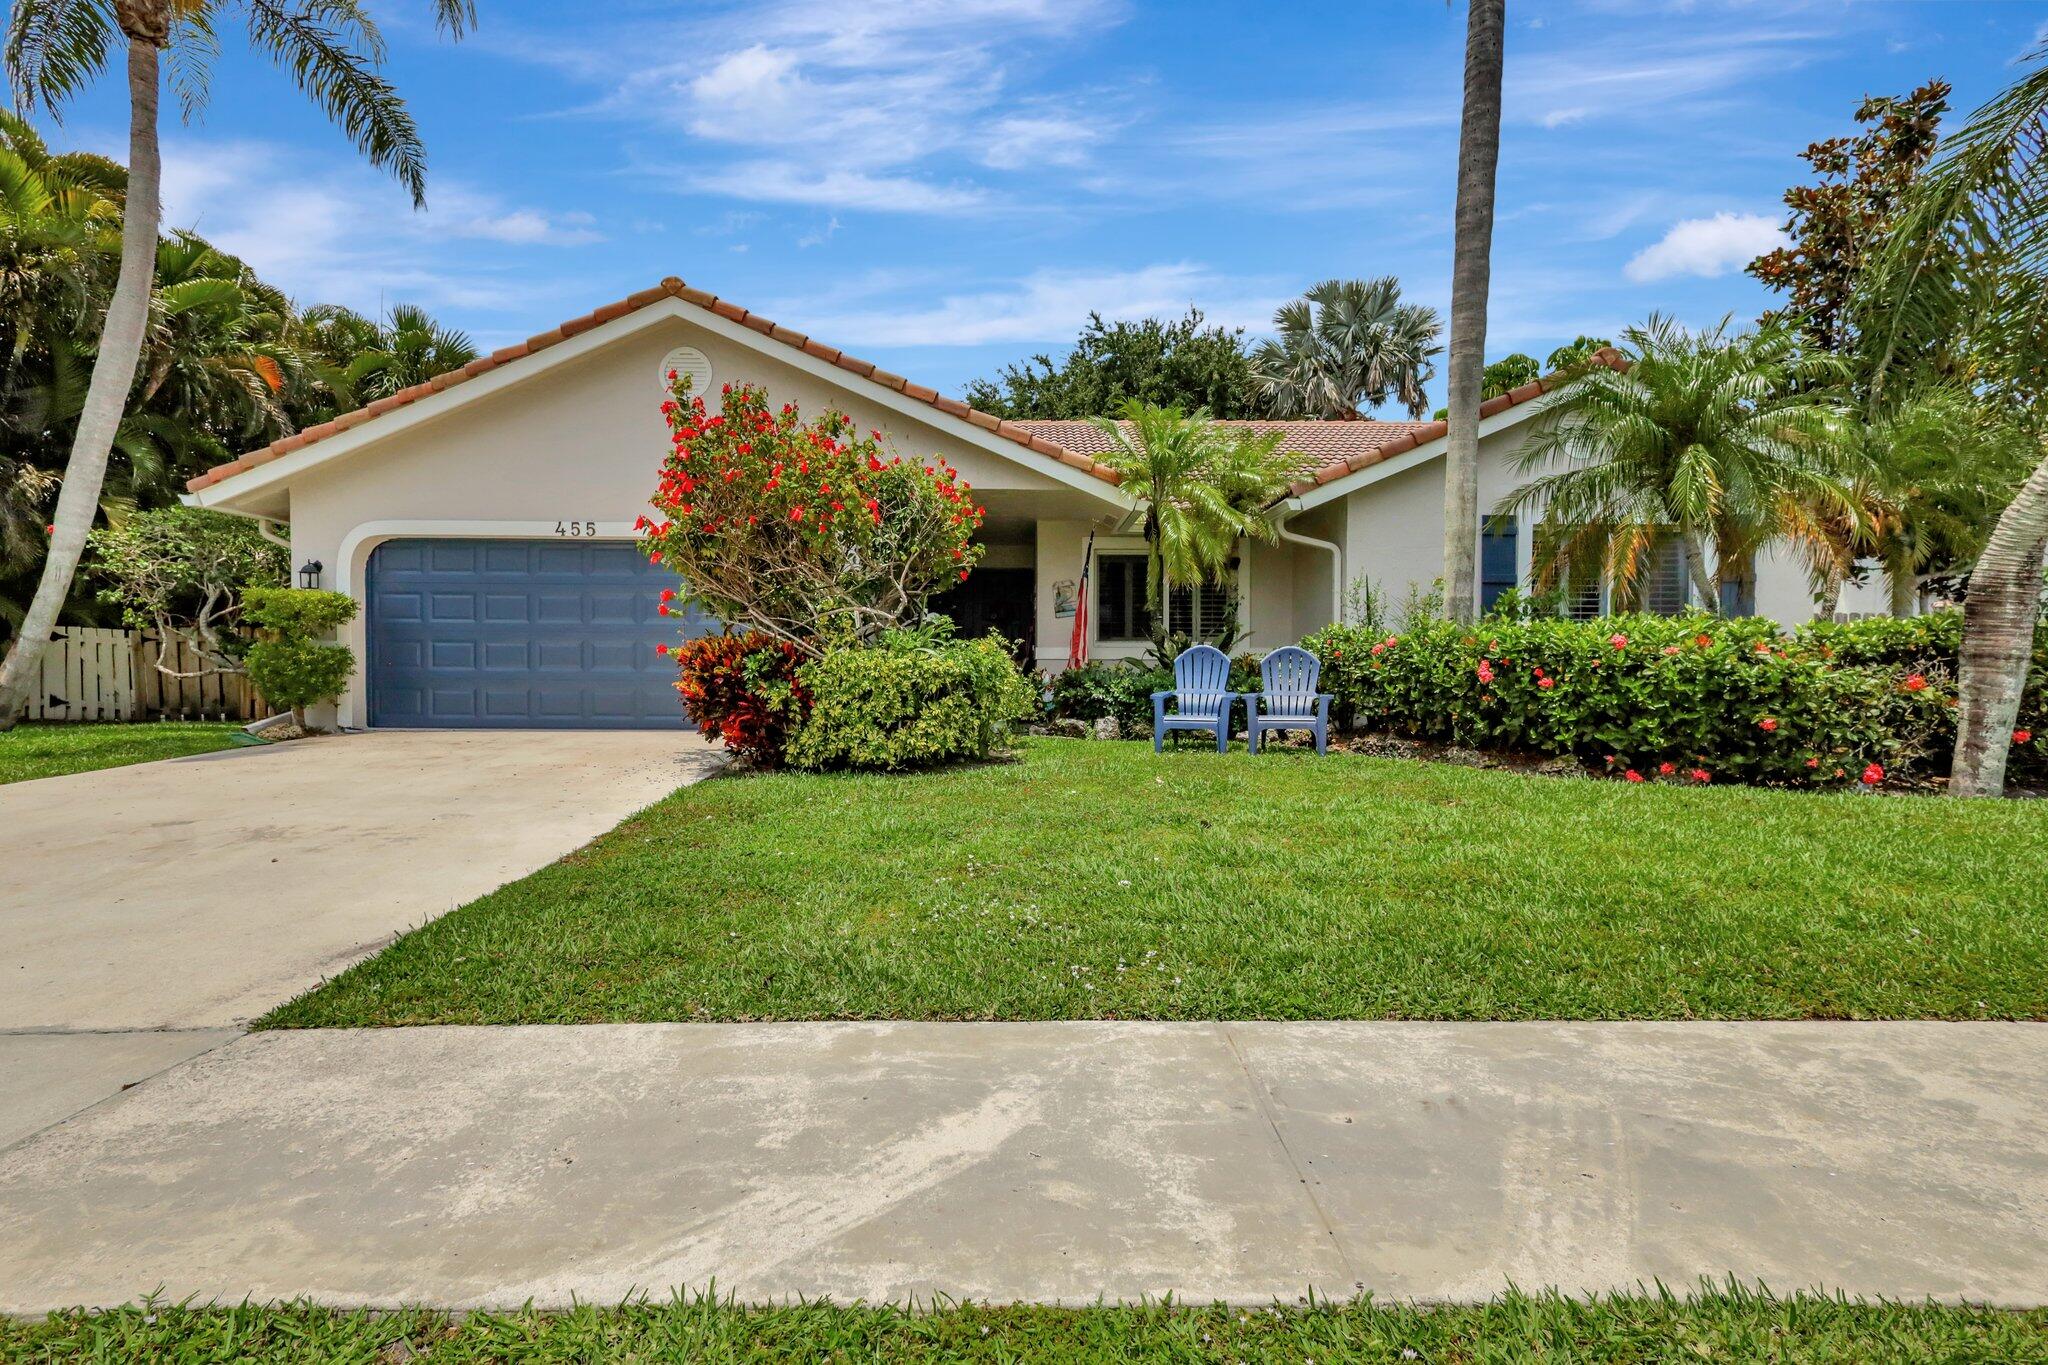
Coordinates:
[726,683]
[804,531]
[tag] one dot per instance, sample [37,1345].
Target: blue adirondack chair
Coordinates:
[1201,688]
[1290,700]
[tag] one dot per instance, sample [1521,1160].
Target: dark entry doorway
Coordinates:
[994,601]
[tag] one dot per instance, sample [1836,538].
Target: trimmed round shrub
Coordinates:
[909,701]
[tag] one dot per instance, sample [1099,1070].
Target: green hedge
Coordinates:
[1123,688]
[1687,698]
[911,701]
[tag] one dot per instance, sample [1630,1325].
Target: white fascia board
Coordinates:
[1408,459]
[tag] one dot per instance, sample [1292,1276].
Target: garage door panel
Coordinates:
[521,633]
[451,606]
[514,608]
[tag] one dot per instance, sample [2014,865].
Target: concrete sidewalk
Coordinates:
[489,1166]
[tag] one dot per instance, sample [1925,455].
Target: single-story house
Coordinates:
[484,520]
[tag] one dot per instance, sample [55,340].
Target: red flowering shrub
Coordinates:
[733,687]
[1655,697]
[803,531]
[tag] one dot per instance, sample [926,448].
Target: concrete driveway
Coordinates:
[186,897]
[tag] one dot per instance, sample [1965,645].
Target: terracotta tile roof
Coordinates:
[1422,433]
[1317,445]
[632,303]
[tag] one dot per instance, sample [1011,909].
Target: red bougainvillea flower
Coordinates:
[1700,775]
[661,649]
[1632,775]
[663,608]
[1667,767]
[1767,724]
[1873,775]
[1619,641]
[668,594]
[2023,736]
[1485,671]
[1915,683]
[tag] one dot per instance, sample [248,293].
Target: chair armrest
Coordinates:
[1161,696]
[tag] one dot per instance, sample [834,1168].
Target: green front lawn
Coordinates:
[1728,1325]
[33,750]
[1093,880]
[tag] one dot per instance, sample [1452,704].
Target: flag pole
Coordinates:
[1077,647]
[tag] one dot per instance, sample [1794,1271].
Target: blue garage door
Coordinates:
[521,634]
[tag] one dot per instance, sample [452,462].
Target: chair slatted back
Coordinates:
[1201,677]
[1290,677]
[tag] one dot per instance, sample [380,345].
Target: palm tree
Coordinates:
[1728,441]
[54,48]
[360,359]
[1471,274]
[1936,468]
[1204,487]
[1969,258]
[1344,346]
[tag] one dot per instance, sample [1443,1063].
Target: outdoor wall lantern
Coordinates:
[309,574]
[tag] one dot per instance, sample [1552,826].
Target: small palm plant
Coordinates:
[54,49]
[360,359]
[1204,486]
[1731,441]
[1347,345]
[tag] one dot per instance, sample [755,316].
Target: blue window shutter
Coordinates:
[1499,559]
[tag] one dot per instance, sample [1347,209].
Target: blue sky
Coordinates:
[945,185]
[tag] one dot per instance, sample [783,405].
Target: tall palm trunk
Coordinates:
[1478,155]
[113,370]
[1998,638]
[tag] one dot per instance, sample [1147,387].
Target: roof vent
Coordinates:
[688,360]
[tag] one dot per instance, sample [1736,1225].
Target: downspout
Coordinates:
[1336,553]
[267,528]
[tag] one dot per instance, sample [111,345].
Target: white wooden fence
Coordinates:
[90,673]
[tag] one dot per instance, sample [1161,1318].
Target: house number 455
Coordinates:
[575,528]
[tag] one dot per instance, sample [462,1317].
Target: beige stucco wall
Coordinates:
[577,443]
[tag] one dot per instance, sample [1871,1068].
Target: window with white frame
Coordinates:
[1202,612]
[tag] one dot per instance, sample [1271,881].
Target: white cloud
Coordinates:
[1023,140]
[841,105]
[1051,305]
[338,232]
[1706,247]
[1558,118]
[793,182]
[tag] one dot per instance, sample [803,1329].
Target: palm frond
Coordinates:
[344,83]
[55,48]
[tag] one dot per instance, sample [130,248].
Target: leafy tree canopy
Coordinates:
[1841,222]
[1187,363]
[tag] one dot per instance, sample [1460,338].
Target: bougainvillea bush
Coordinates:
[1687,699]
[741,689]
[803,531]
[912,699]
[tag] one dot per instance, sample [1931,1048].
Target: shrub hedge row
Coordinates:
[1691,698]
